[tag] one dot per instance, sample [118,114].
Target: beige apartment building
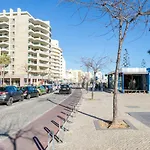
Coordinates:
[56,61]
[28,42]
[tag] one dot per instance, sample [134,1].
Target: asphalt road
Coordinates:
[20,114]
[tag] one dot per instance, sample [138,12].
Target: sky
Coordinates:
[83,38]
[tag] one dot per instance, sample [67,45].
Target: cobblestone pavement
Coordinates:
[17,116]
[82,134]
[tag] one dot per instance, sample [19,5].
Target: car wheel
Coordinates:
[28,96]
[21,99]
[37,95]
[10,101]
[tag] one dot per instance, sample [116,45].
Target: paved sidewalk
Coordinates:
[82,134]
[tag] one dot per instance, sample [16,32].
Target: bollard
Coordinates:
[53,146]
[49,141]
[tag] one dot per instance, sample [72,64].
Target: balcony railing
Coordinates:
[4,29]
[39,27]
[39,46]
[39,40]
[39,33]
[4,49]
[4,43]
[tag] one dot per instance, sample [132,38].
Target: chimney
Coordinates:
[18,11]
[4,12]
[11,12]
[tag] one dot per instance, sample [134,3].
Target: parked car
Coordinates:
[48,88]
[65,89]
[41,90]
[29,91]
[10,94]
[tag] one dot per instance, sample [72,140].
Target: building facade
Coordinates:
[27,41]
[75,76]
[56,61]
[131,80]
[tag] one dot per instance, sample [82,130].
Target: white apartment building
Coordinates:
[75,76]
[63,69]
[28,42]
[56,61]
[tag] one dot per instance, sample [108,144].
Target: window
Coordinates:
[13,26]
[13,33]
[13,46]
[13,39]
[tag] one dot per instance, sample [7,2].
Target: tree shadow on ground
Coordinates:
[12,138]
[81,112]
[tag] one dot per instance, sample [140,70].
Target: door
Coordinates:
[17,93]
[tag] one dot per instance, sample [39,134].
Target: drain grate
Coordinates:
[133,106]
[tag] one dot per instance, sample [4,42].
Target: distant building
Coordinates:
[75,76]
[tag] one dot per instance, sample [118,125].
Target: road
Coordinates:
[20,114]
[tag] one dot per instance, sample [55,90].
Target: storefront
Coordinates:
[131,80]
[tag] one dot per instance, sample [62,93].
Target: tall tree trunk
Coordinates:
[115,109]
[93,85]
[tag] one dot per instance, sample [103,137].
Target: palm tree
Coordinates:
[4,61]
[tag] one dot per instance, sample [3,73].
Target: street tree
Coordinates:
[85,63]
[126,59]
[95,64]
[122,17]
[5,60]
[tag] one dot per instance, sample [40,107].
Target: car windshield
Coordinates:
[64,86]
[2,88]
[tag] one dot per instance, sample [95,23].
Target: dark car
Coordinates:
[65,89]
[10,94]
[48,88]
[29,91]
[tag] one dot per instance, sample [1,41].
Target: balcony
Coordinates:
[4,18]
[32,64]
[4,30]
[44,65]
[4,43]
[33,70]
[46,59]
[39,46]
[39,22]
[39,27]
[5,50]
[44,53]
[32,51]
[32,57]
[5,23]
[4,36]
[38,33]
[39,40]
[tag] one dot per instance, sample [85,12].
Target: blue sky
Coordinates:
[82,39]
